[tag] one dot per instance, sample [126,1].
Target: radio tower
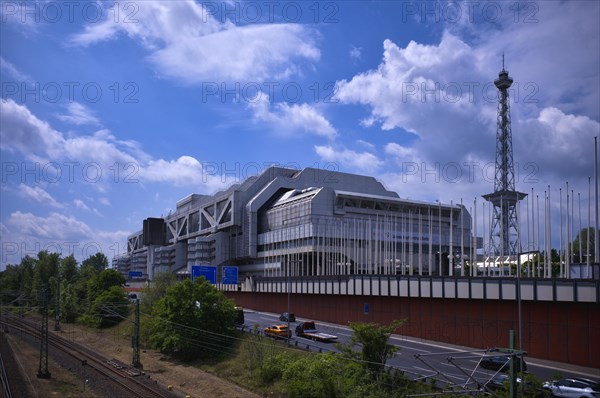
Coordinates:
[504,224]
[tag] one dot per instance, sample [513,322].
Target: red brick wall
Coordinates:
[557,331]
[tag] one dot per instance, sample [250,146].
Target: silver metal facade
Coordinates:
[287,222]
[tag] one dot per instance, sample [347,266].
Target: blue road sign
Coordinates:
[230,275]
[207,271]
[135,274]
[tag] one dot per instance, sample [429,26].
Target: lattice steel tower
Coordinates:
[504,199]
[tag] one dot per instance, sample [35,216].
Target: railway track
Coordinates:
[4,379]
[120,379]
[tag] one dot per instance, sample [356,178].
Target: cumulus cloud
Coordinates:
[442,94]
[181,171]
[295,118]
[11,70]
[56,226]
[80,204]
[38,195]
[364,162]
[562,143]
[186,42]
[97,154]
[21,131]
[79,114]
[25,233]
[356,52]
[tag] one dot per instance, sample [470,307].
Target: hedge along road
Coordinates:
[431,354]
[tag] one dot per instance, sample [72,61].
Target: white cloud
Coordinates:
[412,82]
[97,155]
[400,152]
[23,132]
[104,200]
[444,94]
[554,105]
[562,143]
[356,52]
[185,171]
[12,71]
[364,162]
[186,42]
[182,171]
[553,54]
[79,114]
[295,118]
[38,195]
[24,233]
[56,226]
[80,204]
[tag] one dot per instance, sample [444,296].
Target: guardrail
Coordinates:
[484,288]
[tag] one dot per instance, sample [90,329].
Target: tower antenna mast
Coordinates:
[504,224]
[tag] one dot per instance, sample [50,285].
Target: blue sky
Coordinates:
[110,112]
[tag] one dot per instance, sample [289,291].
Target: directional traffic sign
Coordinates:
[207,271]
[230,275]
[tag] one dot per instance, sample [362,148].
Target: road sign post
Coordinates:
[230,275]
[209,272]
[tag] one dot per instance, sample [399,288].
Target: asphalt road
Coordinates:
[417,359]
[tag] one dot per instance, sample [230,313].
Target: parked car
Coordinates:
[278,331]
[239,316]
[287,317]
[501,362]
[501,382]
[575,387]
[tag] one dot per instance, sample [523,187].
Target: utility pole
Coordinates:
[596,226]
[135,340]
[57,304]
[43,372]
[512,373]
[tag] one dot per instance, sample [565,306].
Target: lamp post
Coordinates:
[289,288]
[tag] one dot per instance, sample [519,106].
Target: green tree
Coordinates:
[192,319]
[69,272]
[10,284]
[70,307]
[103,281]
[156,290]
[109,308]
[16,282]
[582,240]
[329,376]
[26,269]
[373,340]
[44,275]
[97,262]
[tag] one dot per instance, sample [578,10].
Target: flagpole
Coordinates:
[597,226]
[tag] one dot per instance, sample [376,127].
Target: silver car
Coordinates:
[573,388]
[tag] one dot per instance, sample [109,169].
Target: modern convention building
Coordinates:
[303,223]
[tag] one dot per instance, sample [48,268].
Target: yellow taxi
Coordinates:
[278,331]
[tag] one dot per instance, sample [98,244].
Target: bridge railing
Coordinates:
[484,288]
